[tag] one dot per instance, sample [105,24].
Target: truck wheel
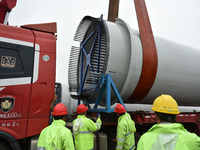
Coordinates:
[4,146]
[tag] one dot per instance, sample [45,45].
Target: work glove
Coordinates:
[98,115]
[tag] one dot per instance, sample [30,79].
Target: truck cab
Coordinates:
[27,80]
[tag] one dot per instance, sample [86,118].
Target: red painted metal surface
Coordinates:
[14,122]
[45,27]
[43,89]
[16,33]
[36,125]
[14,127]
[32,101]
[150,59]
[6,6]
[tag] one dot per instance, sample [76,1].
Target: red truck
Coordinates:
[27,79]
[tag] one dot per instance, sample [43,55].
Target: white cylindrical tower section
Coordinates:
[120,50]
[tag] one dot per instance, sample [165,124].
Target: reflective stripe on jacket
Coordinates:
[125,133]
[56,137]
[83,129]
[168,136]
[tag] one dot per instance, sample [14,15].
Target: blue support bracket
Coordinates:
[105,84]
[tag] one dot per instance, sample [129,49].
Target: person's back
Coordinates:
[56,136]
[125,132]
[83,129]
[169,136]
[125,129]
[166,134]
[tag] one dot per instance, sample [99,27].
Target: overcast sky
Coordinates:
[176,20]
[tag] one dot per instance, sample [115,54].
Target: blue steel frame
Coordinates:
[97,40]
[106,84]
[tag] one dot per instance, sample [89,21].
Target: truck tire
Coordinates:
[4,146]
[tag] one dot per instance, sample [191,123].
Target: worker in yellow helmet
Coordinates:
[83,129]
[166,134]
[56,136]
[125,129]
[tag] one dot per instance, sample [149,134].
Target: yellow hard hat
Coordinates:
[165,104]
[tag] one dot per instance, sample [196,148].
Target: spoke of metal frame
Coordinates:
[99,43]
[83,43]
[81,70]
[88,56]
[92,47]
[82,83]
[85,52]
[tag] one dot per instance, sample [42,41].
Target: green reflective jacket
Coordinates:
[125,133]
[83,129]
[55,137]
[171,136]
